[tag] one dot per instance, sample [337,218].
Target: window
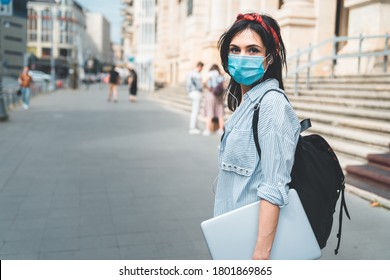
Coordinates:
[190,7]
[46,26]
[46,52]
[66,24]
[65,53]
[32,25]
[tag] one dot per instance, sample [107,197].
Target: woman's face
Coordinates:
[247,43]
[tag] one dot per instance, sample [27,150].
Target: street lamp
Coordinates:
[52,60]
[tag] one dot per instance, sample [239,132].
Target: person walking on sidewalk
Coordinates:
[132,82]
[253,54]
[214,100]
[194,90]
[25,83]
[113,84]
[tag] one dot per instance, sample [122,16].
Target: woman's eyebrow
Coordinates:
[254,45]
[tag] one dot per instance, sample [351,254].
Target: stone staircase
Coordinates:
[351,112]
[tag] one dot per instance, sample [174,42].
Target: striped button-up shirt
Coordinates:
[243,178]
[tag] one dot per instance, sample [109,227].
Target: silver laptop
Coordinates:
[233,235]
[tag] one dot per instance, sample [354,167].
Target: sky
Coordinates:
[111,10]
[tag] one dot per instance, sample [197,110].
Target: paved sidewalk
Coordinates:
[81,178]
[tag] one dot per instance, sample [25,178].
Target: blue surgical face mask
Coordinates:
[246,70]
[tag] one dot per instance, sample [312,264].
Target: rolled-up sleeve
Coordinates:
[279,130]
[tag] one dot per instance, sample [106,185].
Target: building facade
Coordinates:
[187,31]
[56,28]
[98,38]
[13,37]
[139,39]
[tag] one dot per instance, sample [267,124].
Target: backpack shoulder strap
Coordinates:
[305,124]
[343,205]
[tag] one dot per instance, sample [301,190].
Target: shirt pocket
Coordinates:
[240,155]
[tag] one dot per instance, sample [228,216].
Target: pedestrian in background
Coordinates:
[133,87]
[214,107]
[113,84]
[253,54]
[25,81]
[194,90]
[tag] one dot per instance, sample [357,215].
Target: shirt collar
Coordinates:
[255,93]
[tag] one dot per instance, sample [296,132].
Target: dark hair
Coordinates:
[273,43]
[215,67]
[199,64]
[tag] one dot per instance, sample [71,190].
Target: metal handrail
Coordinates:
[307,66]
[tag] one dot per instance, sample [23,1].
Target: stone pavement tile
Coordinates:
[135,238]
[37,201]
[97,229]
[15,185]
[99,197]
[61,232]
[70,201]
[170,236]
[29,223]
[66,188]
[93,219]
[140,252]
[12,189]
[25,247]
[5,226]
[118,189]
[98,241]
[32,212]
[86,188]
[177,250]
[32,256]
[130,223]
[9,213]
[120,197]
[201,252]
[54,222]
[63,210]
[112,253]
[18,234]
[194,232]
[69,255]
[10,200]
[60,245]
[123,209]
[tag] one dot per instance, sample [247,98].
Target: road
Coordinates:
[82,178]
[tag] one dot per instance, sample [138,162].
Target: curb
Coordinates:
[368,196]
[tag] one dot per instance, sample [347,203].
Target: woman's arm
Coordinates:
[268,221]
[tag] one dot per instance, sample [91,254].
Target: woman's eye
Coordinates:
[253,51]
[234,50]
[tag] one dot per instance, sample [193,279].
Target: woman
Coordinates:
[25,81]
[213,103]
[253,54]
[133,87]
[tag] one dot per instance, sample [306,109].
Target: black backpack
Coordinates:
[317,177]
